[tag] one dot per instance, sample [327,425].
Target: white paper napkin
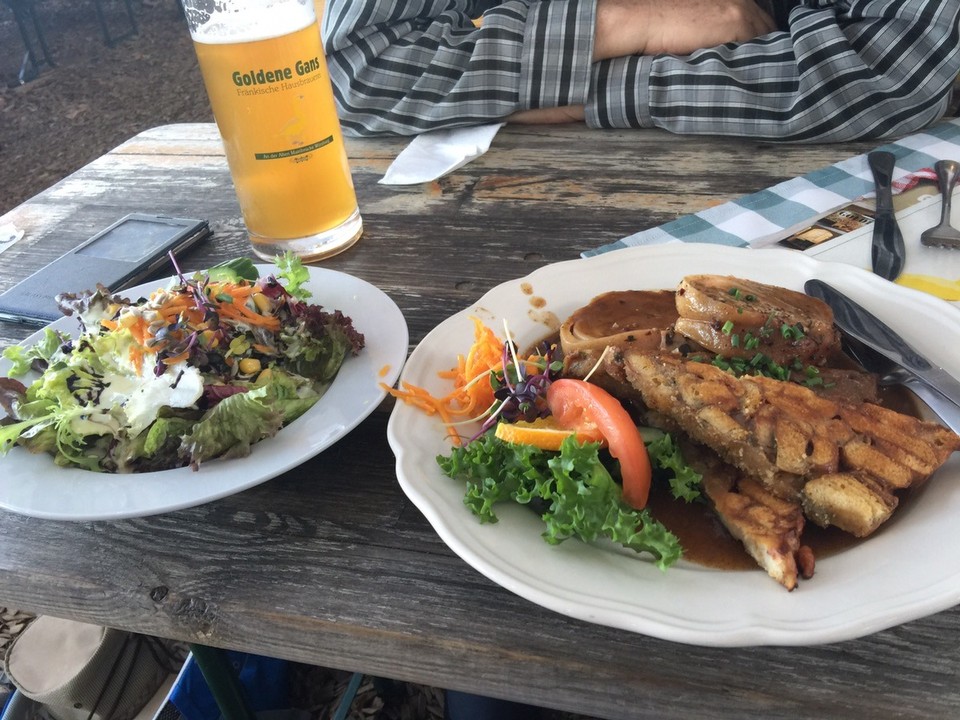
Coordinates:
[9,234]
[434,154]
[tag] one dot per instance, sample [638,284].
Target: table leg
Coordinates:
[223,682]
[26,18]
[108,39]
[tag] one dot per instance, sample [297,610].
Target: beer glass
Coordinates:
[266,76]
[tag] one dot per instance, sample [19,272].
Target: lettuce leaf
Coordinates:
[156,448]
[315,351]
[10,433]
[23,359]
[58,414]
[240,268]
[292,270]
[666,455]
[292,395]
[581,497]
[232,426]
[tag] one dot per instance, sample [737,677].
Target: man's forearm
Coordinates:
[676,27]
[549,116]
[856,69]
[638,27]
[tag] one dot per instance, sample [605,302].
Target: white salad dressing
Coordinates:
[141,398]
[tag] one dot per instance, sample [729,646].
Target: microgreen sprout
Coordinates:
[520,388]
[597,364]
[196,289]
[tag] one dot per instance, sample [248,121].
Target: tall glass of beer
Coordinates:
[266,76]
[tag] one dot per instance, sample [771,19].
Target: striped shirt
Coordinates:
[838,70]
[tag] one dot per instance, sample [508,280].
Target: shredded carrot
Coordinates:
[232,290]
[180,357]
[243,314]
[136,358]
[172,313]
[229,300]
[472,392]
[140,331]
[485,354]
[430,404]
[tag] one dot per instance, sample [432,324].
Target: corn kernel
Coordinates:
[262,302]
[239,345]
[249,366]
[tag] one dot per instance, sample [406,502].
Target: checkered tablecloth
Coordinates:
[773,213]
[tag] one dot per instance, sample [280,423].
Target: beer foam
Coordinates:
[251,20]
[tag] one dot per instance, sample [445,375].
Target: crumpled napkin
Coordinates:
[434,154]
[9,234]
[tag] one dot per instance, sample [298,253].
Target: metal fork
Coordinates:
[944,234]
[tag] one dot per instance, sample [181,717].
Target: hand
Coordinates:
[675,27]
[549,116]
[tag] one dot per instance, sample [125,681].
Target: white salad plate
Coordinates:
[33,485]
[899,574]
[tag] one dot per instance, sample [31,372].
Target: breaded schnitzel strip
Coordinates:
[785,436]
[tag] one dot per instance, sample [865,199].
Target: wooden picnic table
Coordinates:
[330,563]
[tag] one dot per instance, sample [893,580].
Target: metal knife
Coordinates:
[862,325]
[887,252]
[889,373]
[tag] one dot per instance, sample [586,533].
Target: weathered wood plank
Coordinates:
[330,563]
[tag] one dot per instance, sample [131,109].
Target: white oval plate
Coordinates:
[899,574]
[34,485]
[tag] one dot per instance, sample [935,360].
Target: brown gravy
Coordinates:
[621,311]
[705,541]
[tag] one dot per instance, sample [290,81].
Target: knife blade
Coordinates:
[887,251]
[861,324]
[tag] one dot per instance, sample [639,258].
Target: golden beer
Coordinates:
[274,106]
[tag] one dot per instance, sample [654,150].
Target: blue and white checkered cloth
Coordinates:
[778,211]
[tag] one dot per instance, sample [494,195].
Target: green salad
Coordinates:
[199,370]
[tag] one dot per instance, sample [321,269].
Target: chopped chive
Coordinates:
[767,329]
[791,332]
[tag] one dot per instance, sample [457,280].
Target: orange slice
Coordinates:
[543,433]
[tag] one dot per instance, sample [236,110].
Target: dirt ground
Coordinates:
[95,96]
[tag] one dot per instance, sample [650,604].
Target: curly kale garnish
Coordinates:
[582,499]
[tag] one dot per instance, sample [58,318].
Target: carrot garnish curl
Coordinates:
[472,393]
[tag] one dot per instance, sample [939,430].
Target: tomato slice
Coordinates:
[576,404]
